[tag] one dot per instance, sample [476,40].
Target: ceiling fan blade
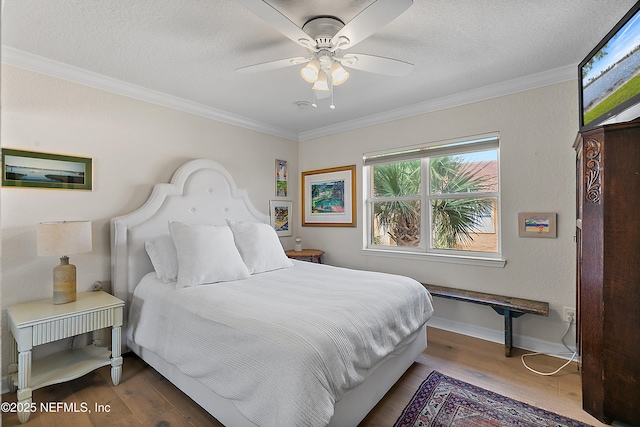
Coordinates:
[376,64]
[375,16]
[272,65]
[278,21]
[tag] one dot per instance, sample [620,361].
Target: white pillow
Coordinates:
[259,246]
[206,254]
[164,258]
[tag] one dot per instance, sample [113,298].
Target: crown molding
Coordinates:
[39,64]
[534,81]
[29,61]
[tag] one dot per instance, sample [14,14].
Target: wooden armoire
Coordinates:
[608,270]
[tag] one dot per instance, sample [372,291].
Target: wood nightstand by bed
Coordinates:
[313,255]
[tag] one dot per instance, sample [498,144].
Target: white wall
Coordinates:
[133,145]
[136,144]
[537,129]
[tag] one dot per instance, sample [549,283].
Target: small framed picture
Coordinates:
[45,170]
[539,224]
[281,178]
[280,212]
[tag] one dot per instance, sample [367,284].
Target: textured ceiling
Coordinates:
[189,49]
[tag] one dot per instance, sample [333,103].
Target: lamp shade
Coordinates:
[310,72]
[338,74]
[321,83]
[64,238]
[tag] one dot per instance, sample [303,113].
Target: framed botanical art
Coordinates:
[541,224]
[45,170]
[281,178]
[329,197]
[280,213]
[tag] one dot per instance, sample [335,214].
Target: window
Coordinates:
[442,199]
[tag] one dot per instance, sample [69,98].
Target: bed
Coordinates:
[278,343]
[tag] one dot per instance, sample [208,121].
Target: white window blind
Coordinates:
[482,143]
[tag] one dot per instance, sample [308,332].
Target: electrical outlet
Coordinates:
[569,314]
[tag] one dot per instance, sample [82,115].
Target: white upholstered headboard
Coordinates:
[200,192]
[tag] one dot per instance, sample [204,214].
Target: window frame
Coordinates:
[425,249]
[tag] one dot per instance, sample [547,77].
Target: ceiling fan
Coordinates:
[325,37]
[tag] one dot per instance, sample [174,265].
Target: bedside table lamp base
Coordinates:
[64,282]
[63,239]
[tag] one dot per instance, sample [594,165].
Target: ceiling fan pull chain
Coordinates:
[332,106]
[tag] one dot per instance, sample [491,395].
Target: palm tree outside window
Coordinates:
[442,198]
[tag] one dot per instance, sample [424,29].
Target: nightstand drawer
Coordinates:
[71,326]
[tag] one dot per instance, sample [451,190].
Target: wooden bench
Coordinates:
[506,306]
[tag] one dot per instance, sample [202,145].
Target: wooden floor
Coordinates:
[145,398]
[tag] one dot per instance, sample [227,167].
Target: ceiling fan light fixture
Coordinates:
[338,74]
[325,37]
[322,82]
[310,71]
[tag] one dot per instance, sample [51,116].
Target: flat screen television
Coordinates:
[609,76]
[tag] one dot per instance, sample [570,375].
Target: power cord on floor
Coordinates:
[573,354]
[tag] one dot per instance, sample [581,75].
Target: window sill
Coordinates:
[451,259]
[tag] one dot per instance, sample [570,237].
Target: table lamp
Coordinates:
[63,239]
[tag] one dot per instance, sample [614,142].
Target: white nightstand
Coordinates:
[40,322]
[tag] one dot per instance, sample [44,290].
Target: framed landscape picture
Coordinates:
[329,197]
[280,212]
[541,224]
[45,170]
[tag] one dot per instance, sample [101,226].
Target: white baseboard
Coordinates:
[521,341]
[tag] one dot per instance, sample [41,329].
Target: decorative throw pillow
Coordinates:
[164,258]
[259,246]
[206,254]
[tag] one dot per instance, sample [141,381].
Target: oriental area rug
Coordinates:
[442,401]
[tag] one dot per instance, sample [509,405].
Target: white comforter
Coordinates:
[283,345]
